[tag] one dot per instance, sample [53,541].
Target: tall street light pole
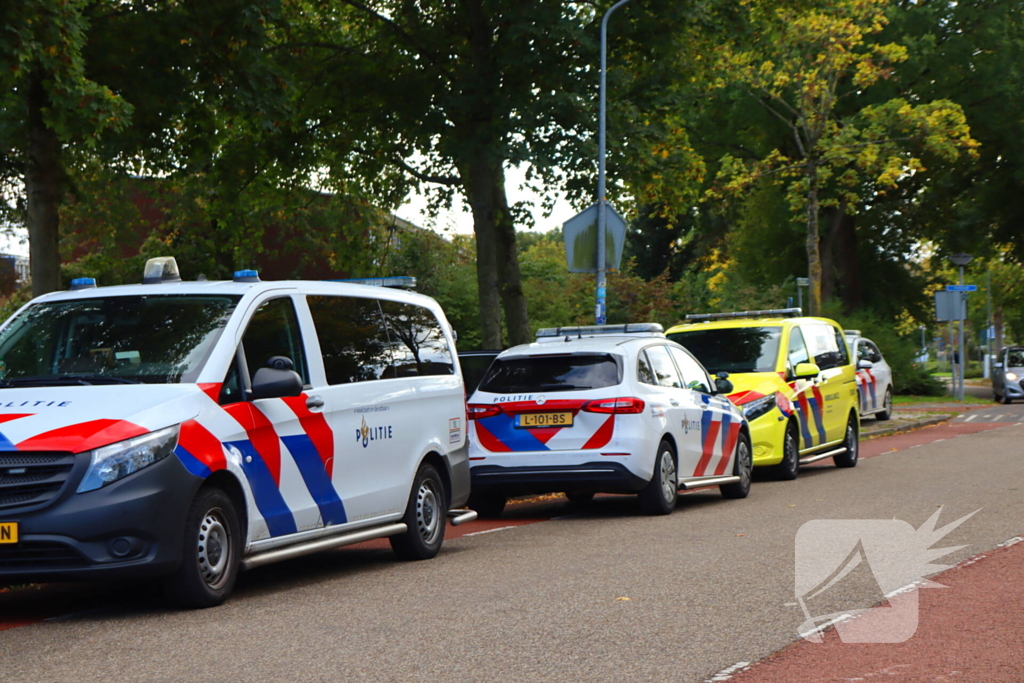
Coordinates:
[961,260]
[600,308]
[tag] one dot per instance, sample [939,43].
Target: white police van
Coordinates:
[185,430]
[604,408]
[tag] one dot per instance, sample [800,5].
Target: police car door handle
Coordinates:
[314,402]
[673,402]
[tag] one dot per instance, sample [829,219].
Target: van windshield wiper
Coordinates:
[65,380]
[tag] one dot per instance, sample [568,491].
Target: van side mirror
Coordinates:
[275,383]
[722,383]
[865,365]
[806,371]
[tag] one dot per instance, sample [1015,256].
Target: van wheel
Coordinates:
[789,468]
[212,554]
[425,517]
[659,496]
[852,445]
[886,405]
[487,506]
[743,468]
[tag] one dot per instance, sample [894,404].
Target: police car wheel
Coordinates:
[659,496]
[743,468]
[1005,400]
[425,516]
[887,407]
[852,445]
[487,505]
[789,468]
[212,553]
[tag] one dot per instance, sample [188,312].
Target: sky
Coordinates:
[460,221]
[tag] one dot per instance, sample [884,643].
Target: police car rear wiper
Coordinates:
[72,380]
[563,387]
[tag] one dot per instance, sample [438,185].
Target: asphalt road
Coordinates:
[707,586]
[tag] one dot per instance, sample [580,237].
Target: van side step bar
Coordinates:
[691,483]
[821,456]
[315,546]
[457,517]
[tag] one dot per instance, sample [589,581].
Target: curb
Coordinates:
[907,426]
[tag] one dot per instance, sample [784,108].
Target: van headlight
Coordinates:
[118,460]
[758,407]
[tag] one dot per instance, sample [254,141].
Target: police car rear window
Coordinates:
[556,372]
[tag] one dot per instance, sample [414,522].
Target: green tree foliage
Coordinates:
[154,87]
[809,65]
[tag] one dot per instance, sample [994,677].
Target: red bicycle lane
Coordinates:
[968,632]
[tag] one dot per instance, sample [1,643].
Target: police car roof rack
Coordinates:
[397,281]
[547,334]
[767,313]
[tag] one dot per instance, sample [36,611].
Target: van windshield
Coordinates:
[735,349]
[162,339]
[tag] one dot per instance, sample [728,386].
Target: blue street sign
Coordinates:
[961,288]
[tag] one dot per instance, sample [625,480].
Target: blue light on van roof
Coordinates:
[399,281]
[83,283]
[246,276]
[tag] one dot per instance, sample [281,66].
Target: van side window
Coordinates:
[826,345]
[417,341]
[274,331]
[353,341]
[797,349]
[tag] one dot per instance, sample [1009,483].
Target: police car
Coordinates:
[186,430]
[614,408]
[874,377]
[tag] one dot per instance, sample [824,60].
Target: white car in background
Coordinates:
[874,377]
[604,409]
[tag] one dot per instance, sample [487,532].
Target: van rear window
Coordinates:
[557,372]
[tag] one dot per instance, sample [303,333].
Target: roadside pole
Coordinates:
[961,260]
[600,309]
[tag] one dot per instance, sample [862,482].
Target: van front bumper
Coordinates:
[132,528]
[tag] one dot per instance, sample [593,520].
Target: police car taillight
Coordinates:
[479,411]
[627,405]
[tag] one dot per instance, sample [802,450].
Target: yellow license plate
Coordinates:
[8,532]
[530,420]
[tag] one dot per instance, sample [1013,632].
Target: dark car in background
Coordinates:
[474,366]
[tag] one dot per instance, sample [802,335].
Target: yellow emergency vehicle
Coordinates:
[793,377]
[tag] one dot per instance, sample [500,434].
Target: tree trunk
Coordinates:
[813,248]
[828,242]
[848,264]
[481,202]
[42,187]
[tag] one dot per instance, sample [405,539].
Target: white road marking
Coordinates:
[969,418]
[487,531]
[728,672]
